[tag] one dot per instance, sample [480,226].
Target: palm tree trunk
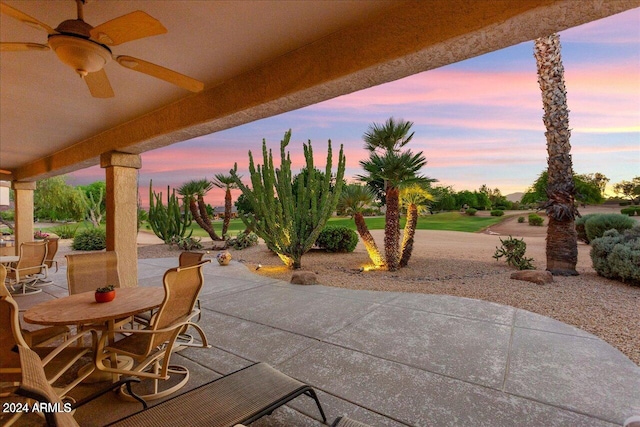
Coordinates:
[409,233]
[368,241]
[392,229]
[195,212]
[562,239]
[227,212]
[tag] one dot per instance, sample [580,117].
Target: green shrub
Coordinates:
[630,211]
[243,241]
[186,243]
[514,250]
[8,215]
[66,231]
[535,220]
[617,256]
[93,239]
[471,211]
[579,224]
[337,239]
[520,219]
[497,212]
[596,225]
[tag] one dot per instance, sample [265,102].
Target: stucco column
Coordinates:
[122,211]
[23,193]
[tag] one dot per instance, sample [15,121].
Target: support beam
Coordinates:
[122,211]
[23,212]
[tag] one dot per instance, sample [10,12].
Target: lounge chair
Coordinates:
[238,398]
[29,268]
[152,346]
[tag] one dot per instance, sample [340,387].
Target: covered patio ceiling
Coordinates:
[255,58]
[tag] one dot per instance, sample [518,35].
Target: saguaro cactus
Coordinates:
[290,224]
[170,220]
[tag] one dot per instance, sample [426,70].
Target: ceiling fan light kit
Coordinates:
[83,55]
[84,47]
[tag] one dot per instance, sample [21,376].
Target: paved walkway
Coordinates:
[393,359]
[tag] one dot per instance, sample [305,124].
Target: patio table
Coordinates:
[82,309]
[8,259]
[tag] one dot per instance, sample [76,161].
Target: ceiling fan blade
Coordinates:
[132,26]
[161,73]
[99,85]
[21,16]
[17,47]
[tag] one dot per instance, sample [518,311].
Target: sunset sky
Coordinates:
[477,122]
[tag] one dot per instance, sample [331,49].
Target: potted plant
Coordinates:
[106,294]
[223,258]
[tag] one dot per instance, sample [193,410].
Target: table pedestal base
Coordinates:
[124,362]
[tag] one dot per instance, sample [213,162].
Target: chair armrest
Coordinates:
[70,340]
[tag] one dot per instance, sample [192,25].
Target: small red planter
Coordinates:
[105,296]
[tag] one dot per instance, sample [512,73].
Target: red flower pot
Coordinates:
[105,296]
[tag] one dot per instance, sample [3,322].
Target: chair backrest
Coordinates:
[32,256]
[182,286]
[52,250]
[188,258]
[87,272]
[34,385]
[10,334]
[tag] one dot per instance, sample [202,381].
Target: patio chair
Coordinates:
[186,259]
[33,384]
[52,250]
[152,346]
[28,269]
[55,360]
[38,337]
[87,272]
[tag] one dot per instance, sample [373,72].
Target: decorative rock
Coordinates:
[304,278]
[538,277]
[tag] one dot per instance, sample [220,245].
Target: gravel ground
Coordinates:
[461,264]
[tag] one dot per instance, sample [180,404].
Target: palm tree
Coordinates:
[562,239]
[395,169]
[353,200]
[388,137]
[228,183]
[193,193]
[414,197]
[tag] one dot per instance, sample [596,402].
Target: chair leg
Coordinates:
[311,393]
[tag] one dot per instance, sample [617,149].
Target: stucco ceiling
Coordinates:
[231,45]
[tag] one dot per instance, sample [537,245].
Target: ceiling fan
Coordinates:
[85,48]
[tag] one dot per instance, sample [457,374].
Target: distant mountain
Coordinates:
[514,197]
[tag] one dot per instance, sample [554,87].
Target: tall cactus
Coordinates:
[290,224]
[170,220]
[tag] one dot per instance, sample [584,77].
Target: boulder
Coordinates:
[304,278]
[539,277]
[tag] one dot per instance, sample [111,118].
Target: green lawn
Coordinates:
[448,221]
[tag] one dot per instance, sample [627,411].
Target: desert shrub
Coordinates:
[596,225]
[471,211]
[535,219]
[520,219]
[93,239]
[337,239]
[616,255]
[66,231]
[8,215]
[514,250]
[579,224]
[186,243]
[497,212]
[630,211]
[243,241]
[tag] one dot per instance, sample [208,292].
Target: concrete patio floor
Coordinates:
[393,359]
